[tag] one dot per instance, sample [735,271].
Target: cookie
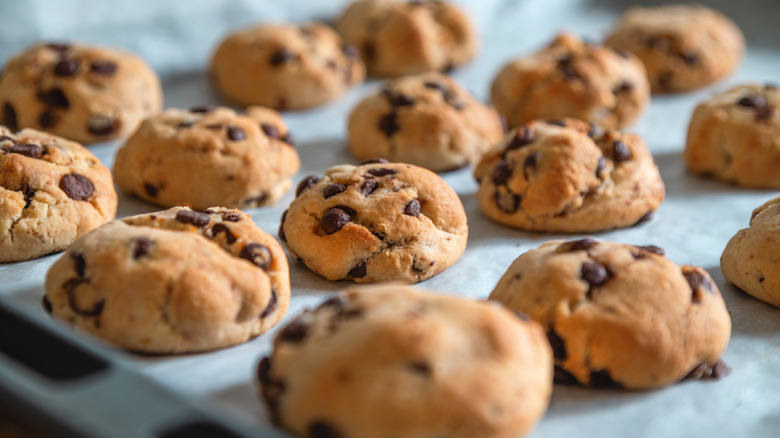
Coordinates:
[568,176]
[174,281]
[572,78]
[398,38]
[683,47]
[51,192]
[208,156]
[394,362]
[735,137]
[619,315]
[375,222]
[749,261]
[286,66]
[87,94]
[428,120]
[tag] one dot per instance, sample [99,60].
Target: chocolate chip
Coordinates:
[665,79]
[54,98]
[368,187]
[507,202]
[334,219]
[333,189]
[436,86]
[192,217]
[258,254]
[373,161]
[566,67]
[350,51]
[653,249]
[66,67]
[29,193]
[660,43]
[46,304]
[58,47]
[272,302]
[9,117]
[77,186]
[256,200]
[306,184]
[150,189]
[595,131]
[283,56]
[690,57]
[698,281]
[101,125]
[602,379]
[556,122]
[214,126]
[720,369]
[185,124]
[235,133]
[369,51]
[563,377]
[623,53]
[47,119]
[523,136]
[289,139]
[280,233]
[623,87]
[601,165]
[264,371]
[558,347]
[381,171]
[752,101]
[339,302]
[412,208]
[222,228]
[270,131]
[359,271]
[388,124]
[765,113]
[293,332]
[26,149]
[399,99]
[421,368]
[530,161]
[141,246]
[203,109]
[581,245]
[595,274]
[321,429]
[105,68]
[645,218]
[97,307]
[501,173]
[620,152]
[79,264]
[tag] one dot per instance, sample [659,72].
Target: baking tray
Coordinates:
[140,396]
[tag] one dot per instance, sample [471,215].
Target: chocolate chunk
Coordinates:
[373,161]
[293,332]
[258,254]
[333,190]
[27,149]
[79,264]
[381,171]
[564,377]
[192,217]
[47,307]
[235,133]
[203,109]
[388,124]
[359,271]
[272,302]
[54,98]
[594,273]
[283,56]
[566,67]
[101,125]
[421,368]
[224,229]
[306,184]
[653,249]
[602,379]
[66,67]
[752,101]
[9,117]
[270,131]
[620,152]
[47,119]
[501,173]
[105,68]
[601,165]
[350,51]
[523,137]
[280,233]
[150,189]
[698,281]
[334,219]
[369,51]
[507,202]
[585,244]
[142,246]
[558,347]
[623,87]
[77,186]
[412,208]
[368,187]
[720,369]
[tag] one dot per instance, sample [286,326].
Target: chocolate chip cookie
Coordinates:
[398,38]
[86,94]
[375,222]
[208,156]
[735,137]
[394,362]
[286,66]
[51,192]
[572,78]
[683,47]
[750,258]
[428,120]
[619,315]
[174,281]
[568,176]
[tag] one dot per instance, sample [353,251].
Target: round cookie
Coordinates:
[683,47]
[285,66]
[208,156]
[86,94]
[398,38]
[51,192]
[174,281]
[394,362]
[735,137]
[749,261]
[620,315]
[427,120]
[568,176]
[375,222]
[572,78]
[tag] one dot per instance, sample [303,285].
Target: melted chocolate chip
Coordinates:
[422,368]
[602,379]
[104,68]
[558,347]
[27,149]
[381,171]
[283,56]
[556,122]
[530,161]
[54,98]
[272,302]
[306,184]
[581,245]
[333,190]
[595,131]
[368,187]
[235,133]
[224,229]
[623,87]
[293,332]
[620,152]
[645,218]
[698,281]
[280,233]
[399,99]
[270,131]
[185,124]
[690,57]
[412,208]
[79,264]
[595,274]
[601,165]
[436,86]
[47,119]
[97,307]
[374,160]
[66,67]
[334,219]
[653,249]
[752,101]
[321,429]
[720,369]
[359,271]
[507,202]
[339,302]
[77,186]
[150,189]
[142,246]
[192,217]
[523,137]
[202,109]
[289,139]
[264,371]
[9,117]
[58,47]
[563,377]
[388,124]
[501,173]
[258,254]
[101,125]
[46,304]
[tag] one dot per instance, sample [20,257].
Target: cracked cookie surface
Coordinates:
[208,156]
[86,94]
[398,38]
[375,222]
[568,176]
[285,66]
[174,281]
[52,191]
[428,120]
[619,315]
[735,137]
[392,361]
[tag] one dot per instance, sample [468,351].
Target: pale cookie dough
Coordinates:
[394,362]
